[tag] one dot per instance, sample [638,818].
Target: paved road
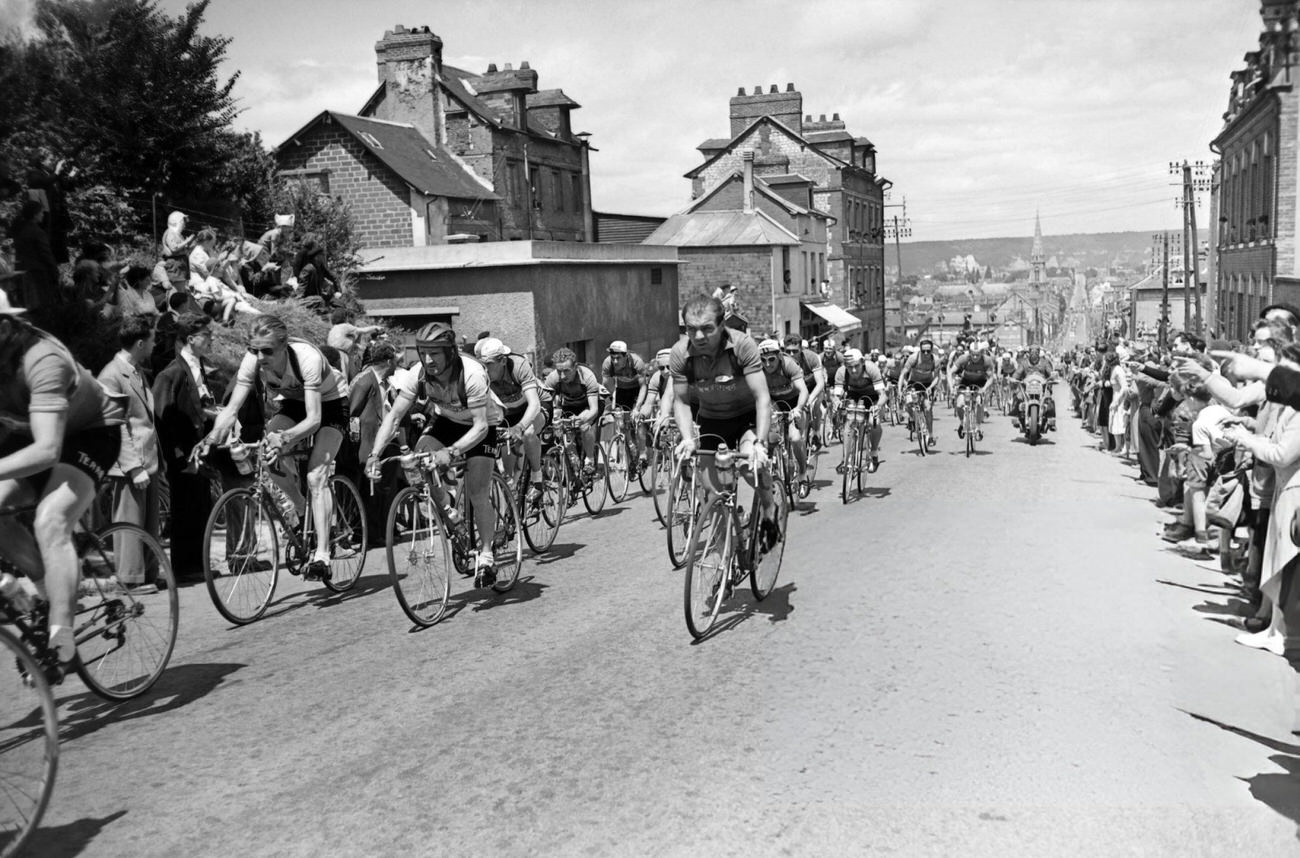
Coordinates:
[985,656]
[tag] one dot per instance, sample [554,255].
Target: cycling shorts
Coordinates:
[789,400]
[446,433]
[91,451]
[333,414]
[625,397]
[728,430]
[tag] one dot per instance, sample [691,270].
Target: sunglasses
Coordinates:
[769,357]
[266,352]
[792,351]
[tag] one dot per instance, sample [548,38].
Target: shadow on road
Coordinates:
[559,551]
[526,589]
[323,598]
[65,841]
[1209,589]
[179,686]
[1043,441]
[1278,790]
[776,607]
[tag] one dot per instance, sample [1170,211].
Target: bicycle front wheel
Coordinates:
[507,542]
[617,461]
[852,438]
[767,565]
[708,567]
[125,633]
[541,518]
[681,515]
[29,745]
[661,469]
[348,535]
[597,491]
[419,560]
[241,556]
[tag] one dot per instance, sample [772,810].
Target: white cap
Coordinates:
[618,346]
[769,345]
[852,356]
[490,348]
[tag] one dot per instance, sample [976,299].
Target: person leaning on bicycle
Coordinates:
[512,381]
[720,367]
[921,373]
[624,373]
[292,377]
[60,432]
[577,394]
[788,391]
[463,416]
[970,372]
[859,380]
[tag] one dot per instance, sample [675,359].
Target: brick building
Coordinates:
[765,239]
[438,151]
[1255,233]
[791,148]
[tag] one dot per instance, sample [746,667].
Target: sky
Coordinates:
[982,111]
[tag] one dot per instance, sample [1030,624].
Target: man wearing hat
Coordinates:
[624,374]
[366,408]
[513,383]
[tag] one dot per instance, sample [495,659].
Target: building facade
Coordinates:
[791,148]
[1256,183]
[495,134]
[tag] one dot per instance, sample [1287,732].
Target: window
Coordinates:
[559,190]
[371,140]
[535,182]
[785,270]
[656,276]
[1266,192]
[577,192]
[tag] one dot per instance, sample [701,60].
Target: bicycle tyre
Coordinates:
[851,441]
[596,492]
[507,543]
[554,467]
[125,641]
[681,517]
[29,746]
[242,593]
[766,567]
[647,478]
[661,467]
[414,534]
[541,520]
[349,535]
[617,462]
[708,567]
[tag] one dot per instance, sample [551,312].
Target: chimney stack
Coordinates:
[785,107]
[747,162]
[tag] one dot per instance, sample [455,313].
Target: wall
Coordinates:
[379,200]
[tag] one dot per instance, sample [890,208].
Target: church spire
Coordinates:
[1037,259]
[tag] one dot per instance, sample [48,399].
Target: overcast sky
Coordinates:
[982,110]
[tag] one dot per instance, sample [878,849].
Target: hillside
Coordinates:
[1096,250]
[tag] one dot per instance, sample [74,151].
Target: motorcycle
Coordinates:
[1033,408]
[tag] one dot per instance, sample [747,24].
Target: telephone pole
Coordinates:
[901,229]
[1161,241]
[1194,178]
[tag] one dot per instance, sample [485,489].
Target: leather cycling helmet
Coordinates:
[435,335]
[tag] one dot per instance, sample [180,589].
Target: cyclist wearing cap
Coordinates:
[970,372]
[720,368]
[511,378]
[577,394]
[921,373]
[786,387]
[624,373]
[292,379]
[463,419]
[860,380]
[814,377]
[60,432]
[658,405]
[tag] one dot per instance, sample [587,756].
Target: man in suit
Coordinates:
[366,408]
[185,408]
[135,474]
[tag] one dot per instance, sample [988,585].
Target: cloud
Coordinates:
[18,21]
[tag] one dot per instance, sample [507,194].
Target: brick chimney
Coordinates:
[747,171]
[785,107]
[410,63]
[506,92]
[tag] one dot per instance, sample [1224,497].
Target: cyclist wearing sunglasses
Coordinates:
[295,385]
[786,387]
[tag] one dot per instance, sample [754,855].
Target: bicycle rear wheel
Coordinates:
[419,560]
[681,515]
[241,556]
[766,567]
[541,518]
[29,745]
[125,634]
[852,440]
[348,535]
[507,545]
[708,567]
[597,491]
[617,462]
[661,472]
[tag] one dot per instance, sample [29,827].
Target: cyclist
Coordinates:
[831,362]
[463,416]
[970,372]
[921,373]
[511,379]
[624,373]
[860,380]
[60,432]
[1035,363]
[814,377]
[658,405]
[786,388]
[720,368]
[292,379]
[577,394]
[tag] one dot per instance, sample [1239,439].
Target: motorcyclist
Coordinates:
[1034,363]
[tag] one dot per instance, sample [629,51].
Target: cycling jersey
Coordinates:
[659,381]
[1026,367]
[305,370]
[867,384]
[453,401]
[809,362]
[510,388]
[923,368]
[717,381]
[626,376]
[831,363]
[573,393]
[973,370]
[49,380]
[780,379]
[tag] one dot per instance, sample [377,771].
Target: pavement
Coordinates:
[991,655]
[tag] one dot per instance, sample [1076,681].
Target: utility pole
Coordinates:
[1194,178]
[1164,300]
[901,228]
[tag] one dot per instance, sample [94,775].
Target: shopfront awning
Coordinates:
[844,321]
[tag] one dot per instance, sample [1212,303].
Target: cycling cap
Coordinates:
[852,357]
[768,346]
[618,347]
[490,348]
[828,344]
[664,353]
[925,343]
[435,335]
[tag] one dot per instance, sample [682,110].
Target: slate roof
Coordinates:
[775,123]
[828,136]
[714,143]
[722,229]
[550,98]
